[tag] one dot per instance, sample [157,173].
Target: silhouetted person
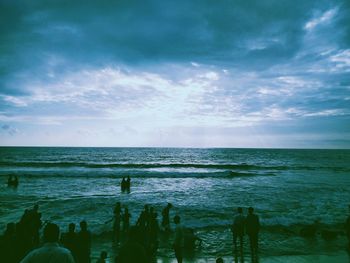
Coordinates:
[50,251]
[219,260]
[143,218]
[8,244]
[70,240]
[165,217]
[84,243]
[35,224]
[15,181]
[128,184]
[102,258]
[28,230]
[179,239]
[347,228]
[238,232]
[116,222]
[126,219]
[12,181]
[123,185]
[153,232]
[132,251]
[24,235]
[252,230]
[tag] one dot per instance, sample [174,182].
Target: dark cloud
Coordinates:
[259,42]
[61,34]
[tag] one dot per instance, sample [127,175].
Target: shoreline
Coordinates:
[339,257]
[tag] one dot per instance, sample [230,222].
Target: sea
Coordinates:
[288,188]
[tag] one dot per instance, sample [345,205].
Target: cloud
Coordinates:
[154,66]
[9,130]
[323,19]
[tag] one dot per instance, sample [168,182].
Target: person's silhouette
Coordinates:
[70,240]
[238,232]
[128,184]
[8,246]
[123,185]
[50,251]
[84,243]
[165,217]
[179,239]
[252,230]
[133,251]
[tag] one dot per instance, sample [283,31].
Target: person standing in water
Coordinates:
[84,243]
[238,232]
[70,240]
[128,184]
[252,230]
[179,239]
[165,219]
[123,185]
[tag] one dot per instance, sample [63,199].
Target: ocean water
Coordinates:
[288,188]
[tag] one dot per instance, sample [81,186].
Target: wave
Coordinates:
[135,174]
[298,229]
[138,166]
[241,166]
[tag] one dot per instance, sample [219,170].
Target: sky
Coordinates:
[200,73]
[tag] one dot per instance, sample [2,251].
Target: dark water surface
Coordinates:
[288,188]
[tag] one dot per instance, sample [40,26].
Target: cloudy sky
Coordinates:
[267,73]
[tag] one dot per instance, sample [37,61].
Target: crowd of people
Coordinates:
[135,243]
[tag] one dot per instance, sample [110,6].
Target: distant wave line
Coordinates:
[227,167]
[138,165]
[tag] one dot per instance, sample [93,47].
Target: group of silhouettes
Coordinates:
[136,243]
[22,237]
[125,184]
[141,240]
[249,225]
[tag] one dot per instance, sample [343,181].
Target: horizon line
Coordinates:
[172,147]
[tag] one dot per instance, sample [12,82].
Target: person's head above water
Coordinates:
[51,232]
[240,210]
[177,219]
[83,225]
[71,227]
[250,210]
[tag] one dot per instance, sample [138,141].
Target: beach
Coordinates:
[289,190]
